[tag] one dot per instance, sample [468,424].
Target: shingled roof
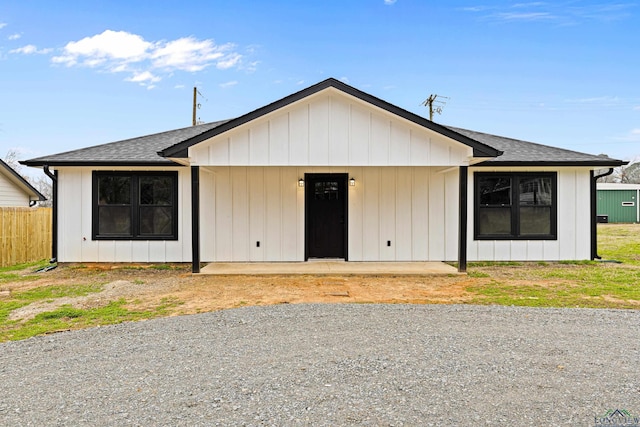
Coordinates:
[523,153]
[143,151]
[140,151]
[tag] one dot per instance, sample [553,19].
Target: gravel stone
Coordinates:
[329,365]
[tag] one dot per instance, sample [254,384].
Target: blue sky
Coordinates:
[81,73]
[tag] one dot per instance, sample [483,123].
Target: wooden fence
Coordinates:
[25,235]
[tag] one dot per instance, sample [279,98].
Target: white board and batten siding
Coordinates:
[413,208]
[574,219]
[11,195]
[75,216]
[406,193]
[330,129]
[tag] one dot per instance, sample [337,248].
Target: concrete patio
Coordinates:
[331,267]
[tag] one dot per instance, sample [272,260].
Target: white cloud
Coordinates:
[15,36]
[389,2]
[563,13]
[146,61]
[632,136]
[190,54]
[2,25]
[179,87]
[29,50]
[526,16]
[143,77]
[113,46]
[228,84]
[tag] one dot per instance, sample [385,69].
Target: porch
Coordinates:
[333,267]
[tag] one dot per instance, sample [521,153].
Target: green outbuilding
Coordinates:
[618,203]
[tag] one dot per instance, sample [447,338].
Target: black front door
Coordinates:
[326,215]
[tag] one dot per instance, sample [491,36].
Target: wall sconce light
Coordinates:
[352,182]
[301,182]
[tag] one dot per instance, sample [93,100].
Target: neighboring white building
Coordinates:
[15,191]
[328,172]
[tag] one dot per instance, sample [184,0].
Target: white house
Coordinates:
[327,172]
[15,191]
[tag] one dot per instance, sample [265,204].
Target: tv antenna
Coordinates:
[435,104]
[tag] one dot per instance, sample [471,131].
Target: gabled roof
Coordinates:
[20,182]
[140,151]
[158,149]
[524,153]
[180,150]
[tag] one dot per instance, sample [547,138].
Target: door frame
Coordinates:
[343,181]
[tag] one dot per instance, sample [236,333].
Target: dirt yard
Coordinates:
[147,287]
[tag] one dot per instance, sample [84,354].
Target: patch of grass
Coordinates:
[60,291]
[64,312]
[6,307]
[569,283]
[163,267]
[619,242]
[577,262]
[494,264]
[18,267]
[479,274]
[12,272]
[67,317]
[564,285]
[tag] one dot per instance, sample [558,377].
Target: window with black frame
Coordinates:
[515,206]
[135,205]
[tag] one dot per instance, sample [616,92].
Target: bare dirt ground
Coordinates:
[147,287]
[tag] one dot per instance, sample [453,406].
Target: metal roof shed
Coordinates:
[619,202]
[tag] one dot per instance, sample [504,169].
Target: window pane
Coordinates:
[535,191]
[114,190]
[155,220]
[156,190]
[494,190]
[327,190]
[494,221]
[535,220]
[114,220]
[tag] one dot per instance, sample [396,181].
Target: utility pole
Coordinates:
[195,104]
[430,101]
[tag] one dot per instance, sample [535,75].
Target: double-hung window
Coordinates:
[135,205]
[515,206]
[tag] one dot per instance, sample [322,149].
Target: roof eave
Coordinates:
[23,183]
[493,163]
[65,163]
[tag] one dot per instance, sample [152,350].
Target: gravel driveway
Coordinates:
[331,365]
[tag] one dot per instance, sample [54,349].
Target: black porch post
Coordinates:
[195,219]
[462,224]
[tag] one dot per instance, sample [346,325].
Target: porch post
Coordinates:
[462,220]
[195,219]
